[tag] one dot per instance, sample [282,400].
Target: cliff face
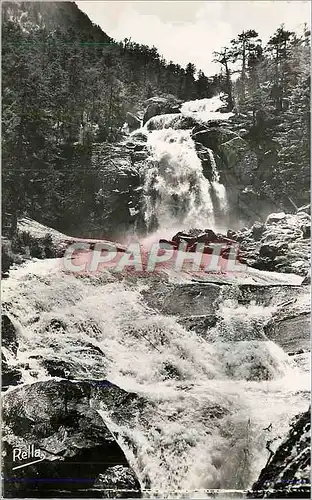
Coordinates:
[287,473]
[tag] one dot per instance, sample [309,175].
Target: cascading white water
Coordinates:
[207,396]
[205,110]
[176,191]
[177,194]
[207,400]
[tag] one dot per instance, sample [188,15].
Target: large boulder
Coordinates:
[51,426]
[289,326]
[273,218]
[287,473]
[178,299]
[280,244]
[161,106]
[292,333]
[175,121]
[122,480]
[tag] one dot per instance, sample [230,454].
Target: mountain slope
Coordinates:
[52,16]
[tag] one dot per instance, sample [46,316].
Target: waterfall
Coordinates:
[205,110]
[176,192]
[208,380]
[207,398]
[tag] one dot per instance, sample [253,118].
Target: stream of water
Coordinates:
[207,398]
[176,192]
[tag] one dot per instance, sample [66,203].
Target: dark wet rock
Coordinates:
[306,230]
[119,478]
[307,279]
[161,106]
[202,236]
[199,324]
[176,121]
[8,334]
[231,234]
[59,368]
[11,375]
[74,365]
[205,158]
[55,417]
[233,153]
[272,249]
[257,230]
[296,353]
[119,179]
[206,240]
[133,121]
[287,473]
[123,406]
[212,135]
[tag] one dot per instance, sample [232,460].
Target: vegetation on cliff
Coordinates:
[268,88]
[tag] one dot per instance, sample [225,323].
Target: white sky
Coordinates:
[189,31]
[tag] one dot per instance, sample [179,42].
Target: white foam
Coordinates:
[200,411]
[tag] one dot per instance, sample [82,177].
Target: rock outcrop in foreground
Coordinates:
[287,474]
[68,449]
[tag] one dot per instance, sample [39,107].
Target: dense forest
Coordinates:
[268,86]
[66,85]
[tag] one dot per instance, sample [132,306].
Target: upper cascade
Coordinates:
[176,192]
[206,110]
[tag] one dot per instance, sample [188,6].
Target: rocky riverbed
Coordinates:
[103,374]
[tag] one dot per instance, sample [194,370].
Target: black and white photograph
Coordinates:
[155,261]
